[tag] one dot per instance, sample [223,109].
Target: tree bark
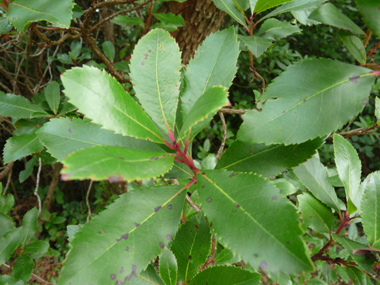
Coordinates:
[108,28]
[201,19]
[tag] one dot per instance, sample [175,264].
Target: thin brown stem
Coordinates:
[233,111]
[192,204]
[37,185]
[89,215]
[221,148]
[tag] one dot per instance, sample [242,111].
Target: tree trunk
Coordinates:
[201,19]
[107,27]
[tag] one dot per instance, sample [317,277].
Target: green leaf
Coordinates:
[109,50]
[29,225]
[17,106]
[19,147]
[226,275]
[292,6]
[52,94]
[23,267]
[77,11]
[350,245]
[274,29]
[267,239]
[262,5]
[131,232]
[5,27]
[357,275]
[311,95]
[231,9]
[302,16]
[21,13]
[192,246]
[377,108]
[6,224]
[147,277]
[66,107]
[214,64]
[267,161]
[252,4]
[203,110]
[165,26]
[349,168]
[6,203]
[37,249]
[126,21]
[111,106]
[371,14]
[9,280]
[28,169]
[170,18]
[168,267]
[8,243]
[316,215]
[315,178]
[71,230]
[354,45]
[63,136]
[370,208]
[115,164]
[155,73]
[328,14]
[256,45]
[286,188]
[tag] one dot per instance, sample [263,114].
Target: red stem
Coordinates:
[150,15]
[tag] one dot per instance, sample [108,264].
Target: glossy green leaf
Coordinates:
[349,168]
[328,14]
[16,106]
[192,246]
[214,64]
[168,267]
[52,95]
[226,275]
[6,203]
[240,207]
[66,106]
[115,164]
[8,243]
[267,161]
[371,14]
[37,249]
[377,108]
[153,215]
[170,18]
[262,5]
[23,267]
[302,16]
[354,45]
[109,50]
[357,275]
[126,21]
[231,9]
[252,4]
[292,6]
[256,45]
[29,226]
[21,13]
[28,170]
[6,224]
[314,176]
[311,95]
[19,147]
[155,73]
[315,214]
[334,177]
[71,230]
[370,208]
[224,257]
[350,245]
[63,136]
[111,106]
[274,29]
[286,188]
[203,110]
[147,277]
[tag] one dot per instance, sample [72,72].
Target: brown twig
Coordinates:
[356,132]
[367,38]
[37,185]
[233,111]
[221,148]
[6,170]
[373,49]
[192,204]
